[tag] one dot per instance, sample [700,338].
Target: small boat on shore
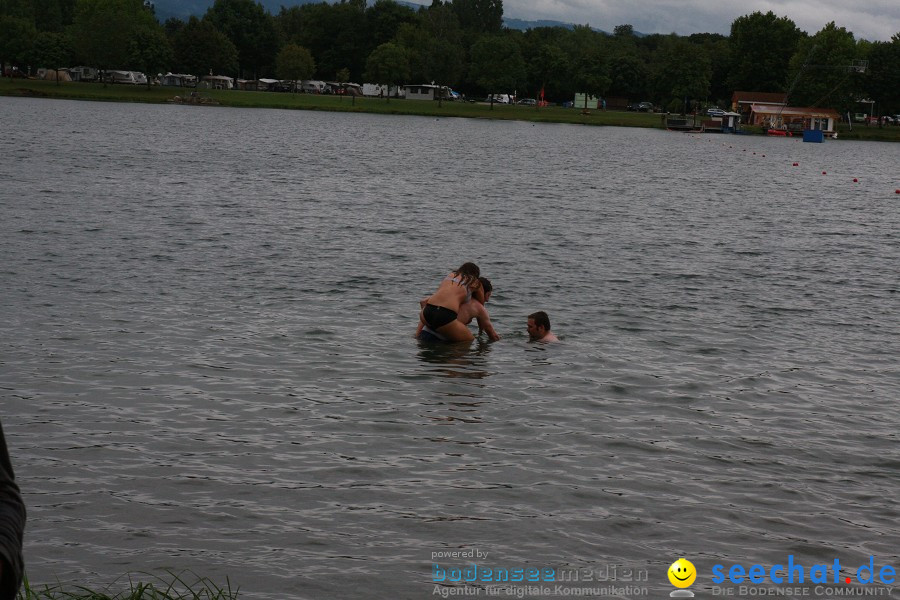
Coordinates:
[194,98]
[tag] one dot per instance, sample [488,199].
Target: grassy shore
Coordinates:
[173,586]
[477,110]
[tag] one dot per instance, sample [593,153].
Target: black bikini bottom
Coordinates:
[438,316]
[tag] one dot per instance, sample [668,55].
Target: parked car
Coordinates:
[641,107]
[527,102]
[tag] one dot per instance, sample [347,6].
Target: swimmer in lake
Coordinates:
[441,311]
[539,328]
[473,309]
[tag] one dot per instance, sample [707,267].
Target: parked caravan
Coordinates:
[427,92]
[178,80]
[340,88]
[130,77]
[83,73]
[374,89]
[378,90]
[312,86]
[217,82]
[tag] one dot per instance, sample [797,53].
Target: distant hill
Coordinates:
[183,9]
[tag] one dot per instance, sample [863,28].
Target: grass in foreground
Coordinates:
[175,586]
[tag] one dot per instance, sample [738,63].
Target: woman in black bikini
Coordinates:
[441,310]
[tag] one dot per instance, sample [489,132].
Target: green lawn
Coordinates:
[478,110]
[156,94]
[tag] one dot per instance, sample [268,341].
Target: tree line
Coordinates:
[460,43]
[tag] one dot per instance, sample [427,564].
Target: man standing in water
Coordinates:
[473,309]
[539,328]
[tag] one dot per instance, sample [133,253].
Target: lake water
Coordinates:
[208,360]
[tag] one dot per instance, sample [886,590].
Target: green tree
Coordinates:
[149,50]
[103,29]
[289,23]
[821,70]
[46,15]
[16,41]
[200,48]
[51,50]
[497,64]
[761,48]
[882,77]
[479,16]
[252,31]
[348,47]
[590,72]
[548,64]
[718,49]
[384,18]
[295,63]
[388,64]
[444,53]
[335,34]
[21,9]
[445,64]
[628,74]
[172,26]
[681,73]
[414,39]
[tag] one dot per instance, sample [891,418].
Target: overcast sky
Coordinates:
[874,20]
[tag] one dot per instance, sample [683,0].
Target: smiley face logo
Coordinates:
[682,573]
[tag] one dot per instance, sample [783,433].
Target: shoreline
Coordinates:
[31,88]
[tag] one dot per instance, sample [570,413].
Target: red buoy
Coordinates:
[796,164]
[823,173]
[855,180]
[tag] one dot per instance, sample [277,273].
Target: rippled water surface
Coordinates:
[208,363]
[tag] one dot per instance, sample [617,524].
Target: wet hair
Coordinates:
[541,319]
[467,273]
[486,285]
